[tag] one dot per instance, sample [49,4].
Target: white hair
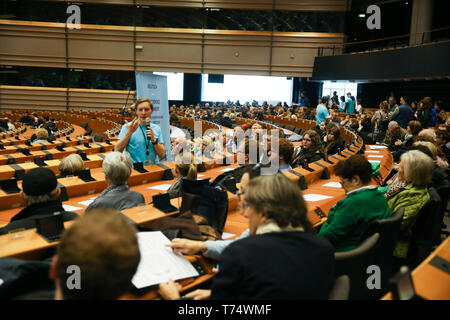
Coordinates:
[117,167]
[392,124]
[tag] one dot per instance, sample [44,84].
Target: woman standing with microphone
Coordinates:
[140,138]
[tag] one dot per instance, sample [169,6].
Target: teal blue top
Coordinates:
[136,147]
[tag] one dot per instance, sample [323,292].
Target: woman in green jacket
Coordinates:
[349,218]
[416,169]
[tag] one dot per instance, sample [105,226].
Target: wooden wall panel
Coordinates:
[162,49]
[32,44]
[55,99]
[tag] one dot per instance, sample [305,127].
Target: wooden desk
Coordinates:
[429,281]
[29,245]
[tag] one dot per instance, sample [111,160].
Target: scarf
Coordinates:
[271,226]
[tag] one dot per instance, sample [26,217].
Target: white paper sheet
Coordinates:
[374,161]
[160,187]
[374,156]
[332,185]
[227,169]
[86,202]
[312,197]
[158,262]
[70,208]
[377,147]
[226,235]
[371,151]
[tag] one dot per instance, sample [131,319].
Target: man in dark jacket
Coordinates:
[40,192]
[403,113]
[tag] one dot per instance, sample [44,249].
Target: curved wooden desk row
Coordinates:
[48,151]
[432,277]
[25,135]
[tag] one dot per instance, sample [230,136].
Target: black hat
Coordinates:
[39,181]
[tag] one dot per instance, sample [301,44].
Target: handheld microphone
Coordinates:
[147,124]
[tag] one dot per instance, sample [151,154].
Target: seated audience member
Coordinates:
[301,265]
[40,191]
[26,118]
[41,135]
[312,149]
[439,167]
[333,140]
[395,136]
[438,155]
[11,127]
[284,154]
[104,246]
[117,167]
[213,249]
[443,141]
[363,204]
[307,115]
[70,165]
[416,168]
[184,169]
[412,131]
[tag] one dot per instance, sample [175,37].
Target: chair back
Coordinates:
[423,230]
[206,201]
[354,263]
[341,288]
[389,230]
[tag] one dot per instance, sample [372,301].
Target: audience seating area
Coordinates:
[17,157]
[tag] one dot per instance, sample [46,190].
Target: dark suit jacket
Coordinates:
[26,218]
[276,265]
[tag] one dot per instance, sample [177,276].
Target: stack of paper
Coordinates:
[158,262]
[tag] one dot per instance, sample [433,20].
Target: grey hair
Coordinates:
[40,199]
[117,167]
[71,164]
[418,168]
[393,124]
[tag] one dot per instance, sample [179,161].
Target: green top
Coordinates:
[412,199]
[349,218]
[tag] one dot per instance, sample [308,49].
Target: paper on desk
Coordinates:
[70,208]
[312,197]
[226,235]
[200,175]
[158,262]
[161,187]
[374,161]
[332,185]
[371,151]
[374,156]
[377,147]
[86,202]
[227,169]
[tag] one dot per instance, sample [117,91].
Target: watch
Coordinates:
[156,142]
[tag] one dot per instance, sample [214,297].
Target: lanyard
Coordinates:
[147,142]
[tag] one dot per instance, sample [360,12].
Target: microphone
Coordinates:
[147,124]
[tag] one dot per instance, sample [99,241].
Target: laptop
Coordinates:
[162,202]
[50,227]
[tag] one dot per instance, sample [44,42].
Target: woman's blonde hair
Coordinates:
[384,105]
[71,164]
[418,168]
[185,166]
[41,134]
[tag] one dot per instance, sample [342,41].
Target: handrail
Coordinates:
[346,44]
